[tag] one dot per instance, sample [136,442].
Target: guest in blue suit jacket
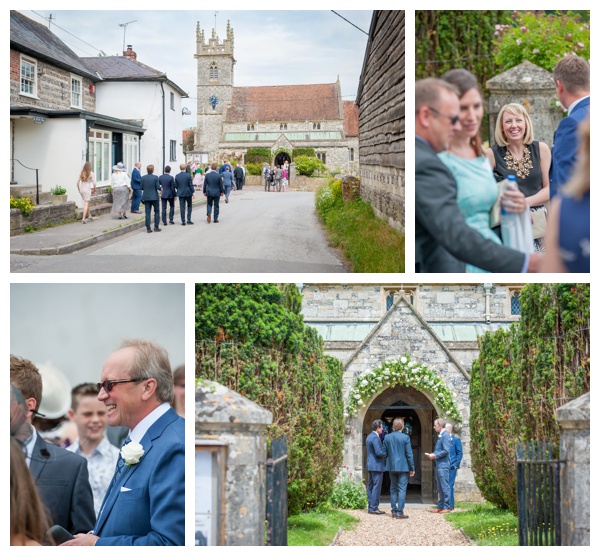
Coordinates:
[456,453]
[400,464]
[442,466]
[145,504]
[375,466]
[151,196]
[572,78]
[136,185]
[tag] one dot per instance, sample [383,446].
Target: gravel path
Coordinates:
[421,529]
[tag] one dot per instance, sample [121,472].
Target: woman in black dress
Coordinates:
[517,153]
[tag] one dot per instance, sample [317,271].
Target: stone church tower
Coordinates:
[215,88]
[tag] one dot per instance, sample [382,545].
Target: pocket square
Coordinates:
[125,489]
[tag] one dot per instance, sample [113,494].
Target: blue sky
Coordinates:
[271,47]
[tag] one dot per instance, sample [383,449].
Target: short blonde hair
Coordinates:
[517,110]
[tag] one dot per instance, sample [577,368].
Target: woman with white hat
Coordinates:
[121,190]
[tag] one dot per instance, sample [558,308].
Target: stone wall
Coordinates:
[41,216]
[381,99]
[53,87]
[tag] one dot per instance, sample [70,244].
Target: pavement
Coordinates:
[68,238]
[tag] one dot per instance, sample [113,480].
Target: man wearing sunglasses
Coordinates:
[443,240]
[144,505]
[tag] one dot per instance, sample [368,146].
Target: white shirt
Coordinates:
[28,446]
[142,427]
[101,467]
[574,104]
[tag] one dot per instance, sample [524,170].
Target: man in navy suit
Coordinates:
[136,185]
[375,466]
[185,192]
[572,79]
[456,453]
[167,182]
[400,464]
[61,476]
[151,197]
[442,466]
[144,506]
[213,190]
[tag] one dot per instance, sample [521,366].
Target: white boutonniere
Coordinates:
[132,453]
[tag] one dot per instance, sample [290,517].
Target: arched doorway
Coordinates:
[281,158]
[418,413]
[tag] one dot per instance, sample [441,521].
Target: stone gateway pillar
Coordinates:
[231,452]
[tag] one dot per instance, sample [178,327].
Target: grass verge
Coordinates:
[368,243]
[486,524]
[317,528]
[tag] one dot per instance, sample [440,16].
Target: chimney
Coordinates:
[130,53]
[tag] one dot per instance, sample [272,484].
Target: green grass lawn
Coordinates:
[317,528]
[485,524]
[368,243]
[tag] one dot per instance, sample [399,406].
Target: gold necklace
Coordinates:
[520,166]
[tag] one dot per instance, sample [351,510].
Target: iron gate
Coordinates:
[538,495]
[277,494]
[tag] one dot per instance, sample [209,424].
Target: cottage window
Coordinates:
[172,101]
[214,71]
[76,90]
[173,150]
[28,77]
[131,150]
[99,149]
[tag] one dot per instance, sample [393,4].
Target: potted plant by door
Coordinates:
[59,194]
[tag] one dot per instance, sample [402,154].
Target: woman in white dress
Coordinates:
[84,184]
[121,190]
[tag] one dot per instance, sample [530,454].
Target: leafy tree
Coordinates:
[542,39]
[308,165]
[252,339]
[522,375]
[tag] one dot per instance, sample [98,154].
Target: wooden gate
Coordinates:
[538,495]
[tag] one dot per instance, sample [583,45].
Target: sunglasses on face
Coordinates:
[453,119]
[108,384]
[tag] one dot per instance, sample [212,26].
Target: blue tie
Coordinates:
[118,469]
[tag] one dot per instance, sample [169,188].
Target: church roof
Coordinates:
[284,103]
[350,118]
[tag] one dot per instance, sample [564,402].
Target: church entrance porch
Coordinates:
[418,414]
[281,158]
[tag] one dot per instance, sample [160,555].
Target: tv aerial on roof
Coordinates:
[124,25]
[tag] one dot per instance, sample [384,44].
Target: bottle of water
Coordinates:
[515,228]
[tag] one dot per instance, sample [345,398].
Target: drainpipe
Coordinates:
[487,288]
[162,87]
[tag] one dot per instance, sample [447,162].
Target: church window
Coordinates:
[250,127]
[322,157]
[316,125]
[351,154]
[214,71]
[392,293]
[515,304]
[282,127]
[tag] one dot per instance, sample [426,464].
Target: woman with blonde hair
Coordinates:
[518,154]
[84,185]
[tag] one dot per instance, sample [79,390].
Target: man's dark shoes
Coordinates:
[208,218]
[149,231]
[190,222]
[376,512]
[157,229]
[183,223]
[170,222]
[400,516]
[216,221]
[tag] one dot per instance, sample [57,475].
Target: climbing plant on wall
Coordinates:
[402,372]
[252,339]
[522,375]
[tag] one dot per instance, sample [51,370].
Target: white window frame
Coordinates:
[76,80]
[131,151]
[100,142]
[33,80]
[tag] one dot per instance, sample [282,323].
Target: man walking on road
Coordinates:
[400,464]
[167,182]
[213,190]
[185,192]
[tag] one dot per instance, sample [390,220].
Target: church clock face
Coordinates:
[213,101]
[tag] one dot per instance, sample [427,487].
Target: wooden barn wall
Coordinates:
[381,120]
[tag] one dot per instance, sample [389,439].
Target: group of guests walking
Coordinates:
[276,178]
[393,453]
[457,194]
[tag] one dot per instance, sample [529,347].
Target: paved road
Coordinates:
[257,232]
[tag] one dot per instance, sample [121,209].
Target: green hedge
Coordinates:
[522,375]
[303,151]
[258,156]
[252,339]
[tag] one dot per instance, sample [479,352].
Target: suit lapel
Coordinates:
[38,461]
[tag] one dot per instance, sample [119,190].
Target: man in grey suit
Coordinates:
[443,240]
[375,466]
[61,476]
[400,464]
[442,466]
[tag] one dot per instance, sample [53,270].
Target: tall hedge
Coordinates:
[303,151]
[258,155]
[448,39]
[252,339]
[522,375]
